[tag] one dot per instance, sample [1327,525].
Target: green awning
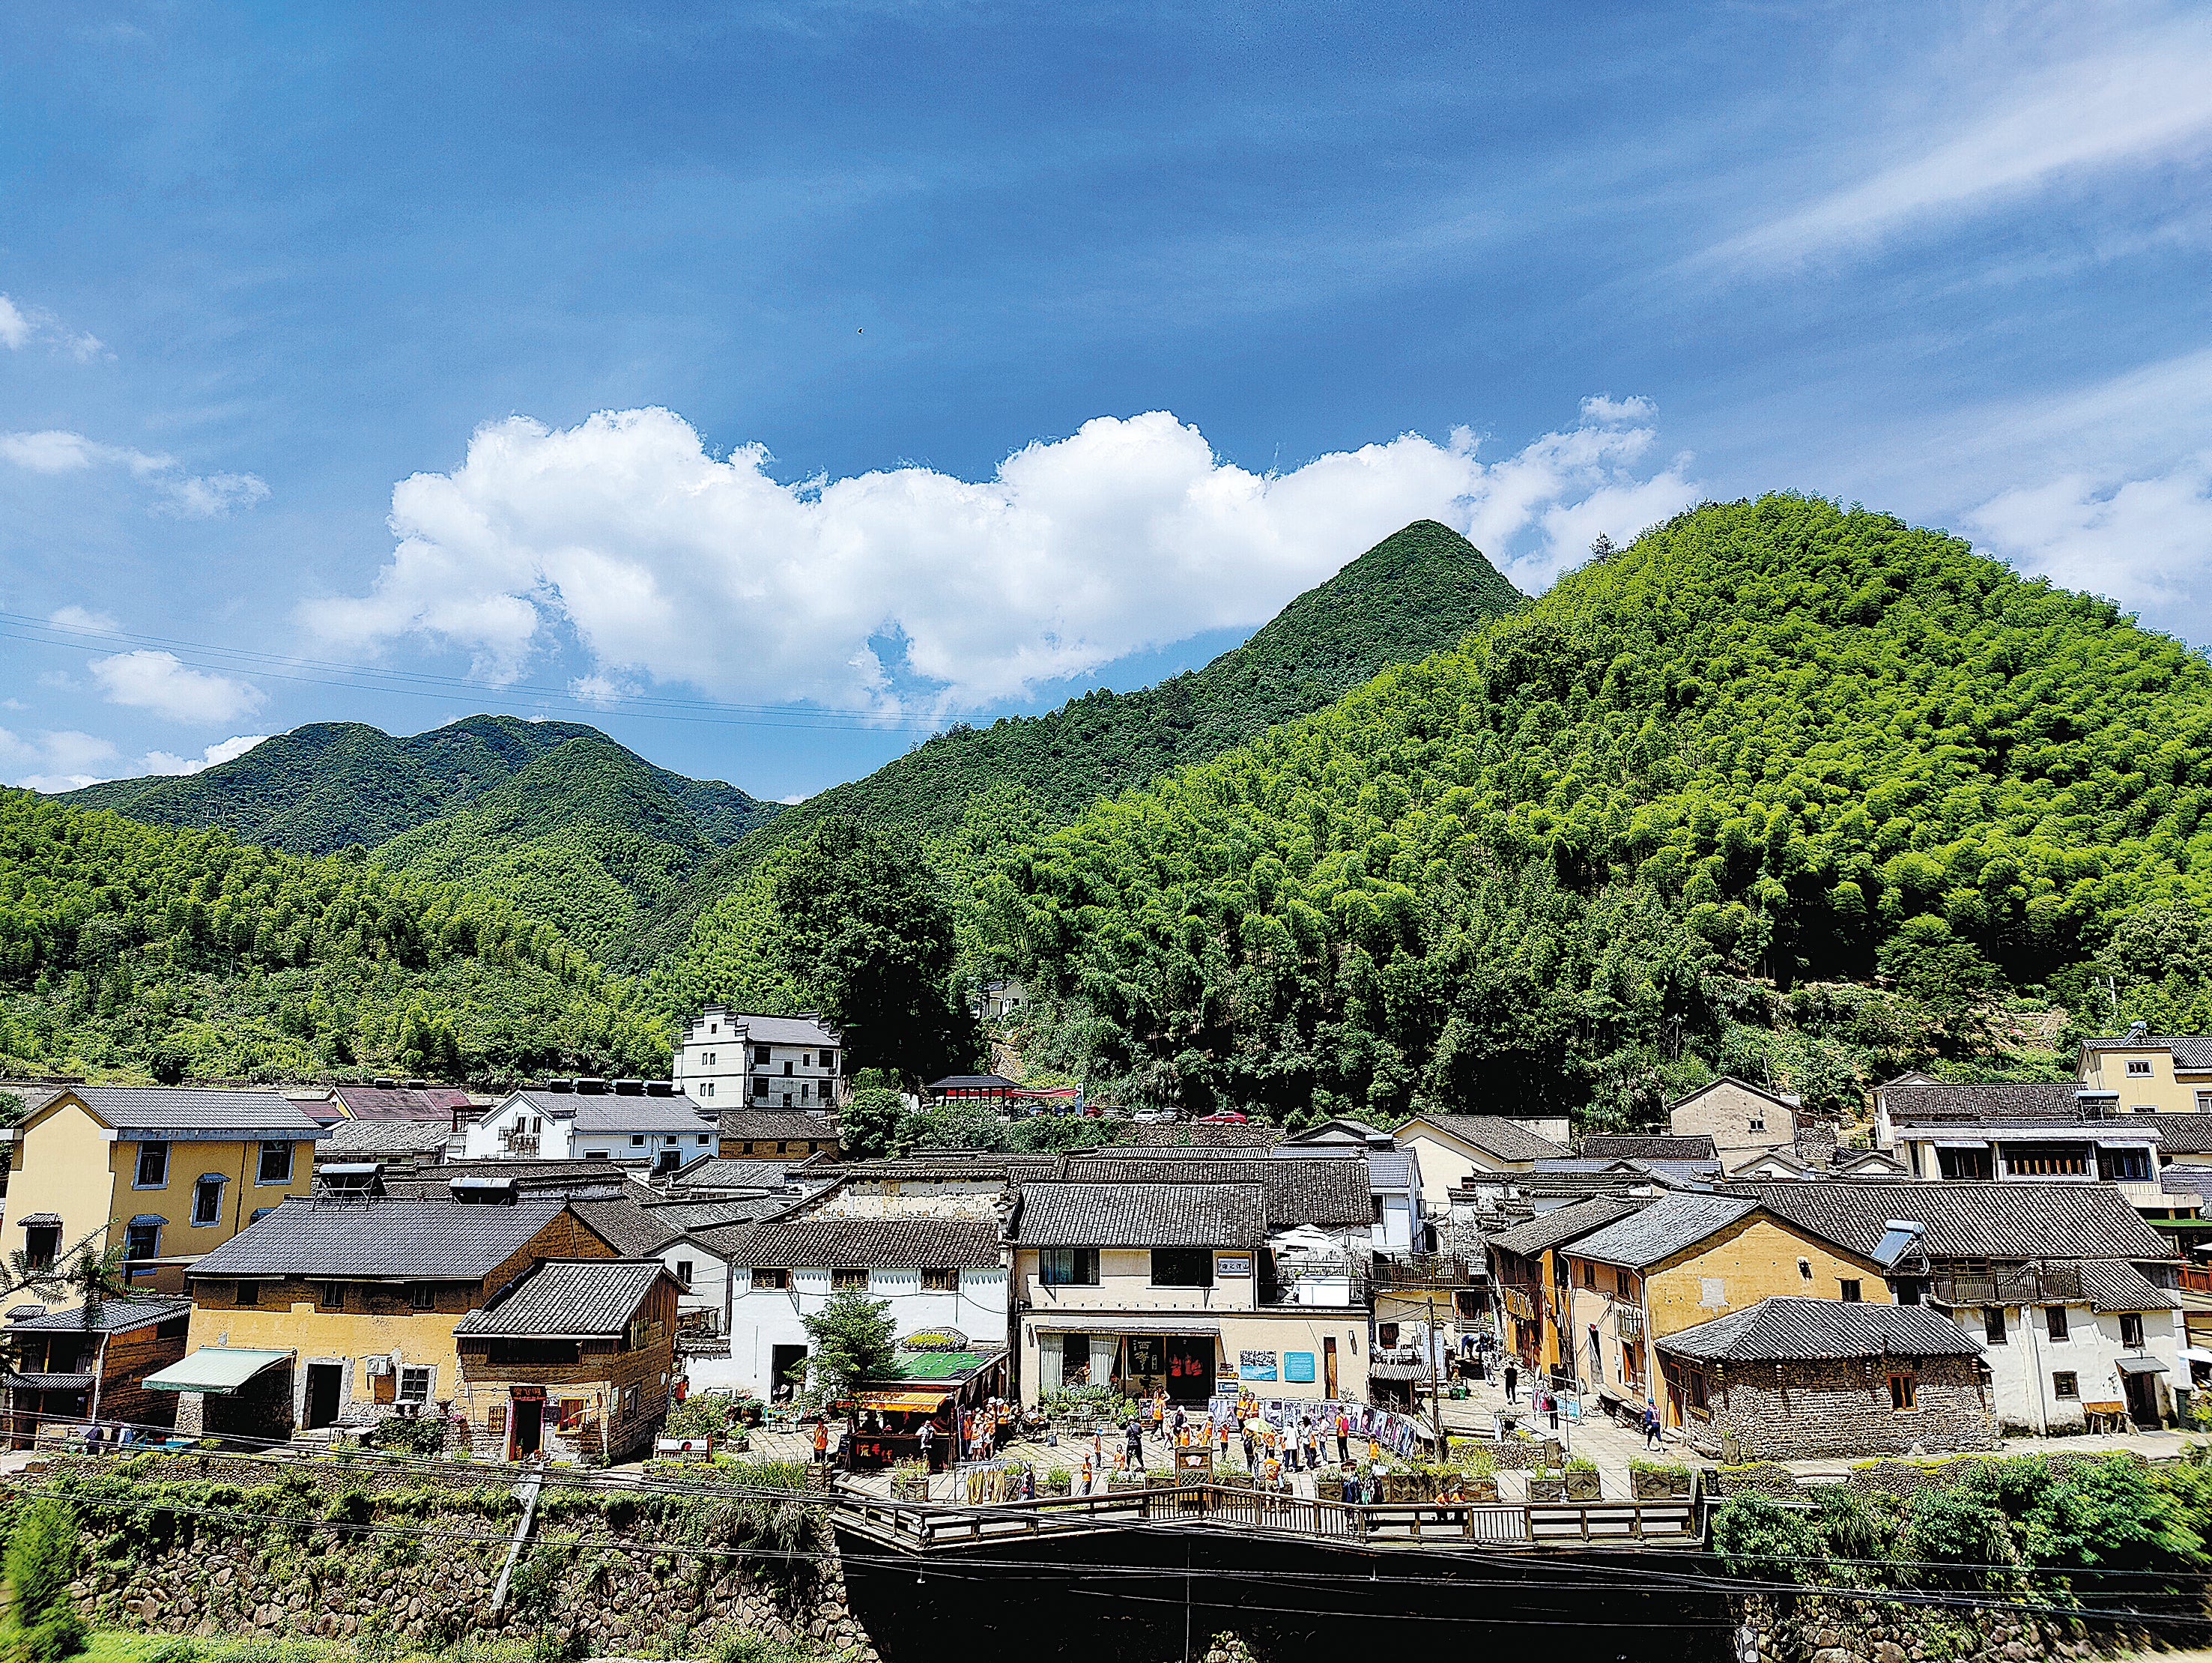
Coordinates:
[218,1369]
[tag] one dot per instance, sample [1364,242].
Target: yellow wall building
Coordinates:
[2149,1073]
[167,1174]
[1450,1149]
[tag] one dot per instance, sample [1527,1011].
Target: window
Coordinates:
[2132,1328]
[152,1166]
[786,1099]
[2047,1159]
[847,1278]
[1993,1324]
[2054,1321]
[1757,1123]
[1596,1356]
[595,1154]
[1908,1289]
[1589,1275]
[330,1295]
[246,1293]
[2204,1102]
[42,1245]
[142,1241]
[806,1059]
[703,1140]
[803,1090]
[1182,1267]
[207,1199]
[2124,1166]
[629,1403]
[760,1055]
[415,1385]
[771,1278]
[1068,1267]
[2065,1386]
[1696,1388]
[1623,1285]
[275,1161]
[2138,1066]
[422,1296]
[940,1282]
[1903,1392]
[1847,1289]
[637,1140]
[1972,1163]
[684,1272]
[786,1067]
[1805,1269]
[260,1213]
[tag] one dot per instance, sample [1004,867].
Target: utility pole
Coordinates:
[1435,1394]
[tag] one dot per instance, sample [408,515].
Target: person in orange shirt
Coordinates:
[822,1442]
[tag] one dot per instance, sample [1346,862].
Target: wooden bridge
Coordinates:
[924,1527]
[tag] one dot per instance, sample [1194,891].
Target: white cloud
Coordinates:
[84,621]
[666,563]
[2146,542]
[20,326]
[15,327]
[2130,101]
[161,683]
[56,761]
[161,762]
[184,496]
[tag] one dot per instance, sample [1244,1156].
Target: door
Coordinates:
[781,1360]
[526,1428]
[323,1379]
[2142,1392]
[1328,1367]
[1190,1367]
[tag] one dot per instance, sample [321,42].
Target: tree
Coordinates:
[851,1345]
[862,928]
[868,1126]
[42,1555]
[169,1061]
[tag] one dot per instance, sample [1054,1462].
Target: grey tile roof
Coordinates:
[1648,1146]
[713,1172]
[626,1227]
[434,1181]
[201,1112]
[1953,1099]
[1141,1215]
[1662,1229]
[601,1115]
[2011,1219]
[352,1139]
[691,1216]
[1326,1192]
[2115,1286]
[1687,1170]
[778,1125]
[1788,1329]
[567,1299]
[1500,1139]
[776,1030]
[1561,1225]
[431,1240]
[115,1316]
[1389,1169]
[2190,1050]
[875,1244]
[2185,1134]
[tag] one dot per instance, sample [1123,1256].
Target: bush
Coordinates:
[705,1415]
[1764,1541]
[415,1434]
[42,1555]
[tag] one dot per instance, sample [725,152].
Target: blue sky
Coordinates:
[772,384]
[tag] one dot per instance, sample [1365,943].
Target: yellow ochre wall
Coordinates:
[64,1171]
[2164,1089]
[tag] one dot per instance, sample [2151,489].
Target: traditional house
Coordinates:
[1452,1147]
[762,1133]
[1649,1146]
[573,1360]
[2066,1286]
[396,1141]
[1172,1285]
[1394,1178]
[2147,1073]
[1683,1260]
[731,1060]
[1741,1117]
[2010,1132]
[417,1100]
[166,1175]
[1791,1378]
[1529,1279]
[68,1368]
[651,1128]
[1839,1163]
[346,1308]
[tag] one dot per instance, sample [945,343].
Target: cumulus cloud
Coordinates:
[2145,543]
[664,562]
[56,761]
[176,493]
[148,680]
[161,762]
[15,327]
[83,621]
[20,326]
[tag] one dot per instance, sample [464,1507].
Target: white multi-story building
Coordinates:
[570,1121]
[732,1059]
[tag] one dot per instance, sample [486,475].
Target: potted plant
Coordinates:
[1057,1481]
[1651,1481]
[1582,1480]
[1328,1484]
[1547,1484]
[910,1482]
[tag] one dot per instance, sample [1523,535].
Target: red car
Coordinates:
[1228,1117]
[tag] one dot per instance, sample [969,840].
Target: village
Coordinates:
[1336,1316]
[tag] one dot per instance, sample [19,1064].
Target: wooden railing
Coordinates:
[922,1527]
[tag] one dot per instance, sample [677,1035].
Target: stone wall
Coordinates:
[1842,1408]
[1839,1630]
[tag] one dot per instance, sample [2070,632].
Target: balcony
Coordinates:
[519,1143]
[1420,1271]
[2006,1284]
[1628,1323]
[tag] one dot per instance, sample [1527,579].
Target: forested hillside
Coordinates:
[966,791]
[1676,815]
[128,949]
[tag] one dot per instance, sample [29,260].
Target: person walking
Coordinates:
[1552,1407]
[1651,1423]
[1136,1435]
[1512,1384]
[822,1443]
[926,1437]
[1343,1437]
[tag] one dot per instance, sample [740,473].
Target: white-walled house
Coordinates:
[735,1059]
[938,1275]
[655,1130]
[1393,1176]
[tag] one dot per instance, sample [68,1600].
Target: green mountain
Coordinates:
[330,784]
[1419,589]
[128,951]
[1781,789]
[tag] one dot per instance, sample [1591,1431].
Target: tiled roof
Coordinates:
[2112,1285]
[350,1139]
[713,1172]
[1327,1192]
[2011,1219]
[1662,1229]
[1785,1330]
[1953,1099]
[567,1299]
[1177,1134]
[1648,1146]
[372,1102]
[1141,1215]
[692,1216]
[1783,1098]
[115,1316]
[434,1181]
[2185,1134]
[875,1244]
[197,1110]
[1497,1136]
[778,1125]
[2190,1050]
[1689,1171]
[771,1031]
[427,1240]
[1561,1225]
[626,1227]
[654,1114]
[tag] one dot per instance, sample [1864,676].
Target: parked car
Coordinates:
[1153,1116]
[1228,1117]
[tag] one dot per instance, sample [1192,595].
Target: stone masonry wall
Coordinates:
[1834,1629]
[1843,1408]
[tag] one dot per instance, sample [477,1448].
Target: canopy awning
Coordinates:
[1107,1323]
[926,1403]
[2141,1366]
[42,1383]
[39,1218]
[220,1369]
[2197,1354]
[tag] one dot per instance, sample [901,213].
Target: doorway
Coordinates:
[1328,1367]
[781,1360]
[1190,1367]
[325,1382]
[2141,1391]
[526,1427]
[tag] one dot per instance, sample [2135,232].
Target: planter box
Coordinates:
[1481,1489]
[1404,1487]
[1055,1486]
[909,1487]
[1329,1486]
[1657,1486]
[1547,1490]
[1582,1486]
